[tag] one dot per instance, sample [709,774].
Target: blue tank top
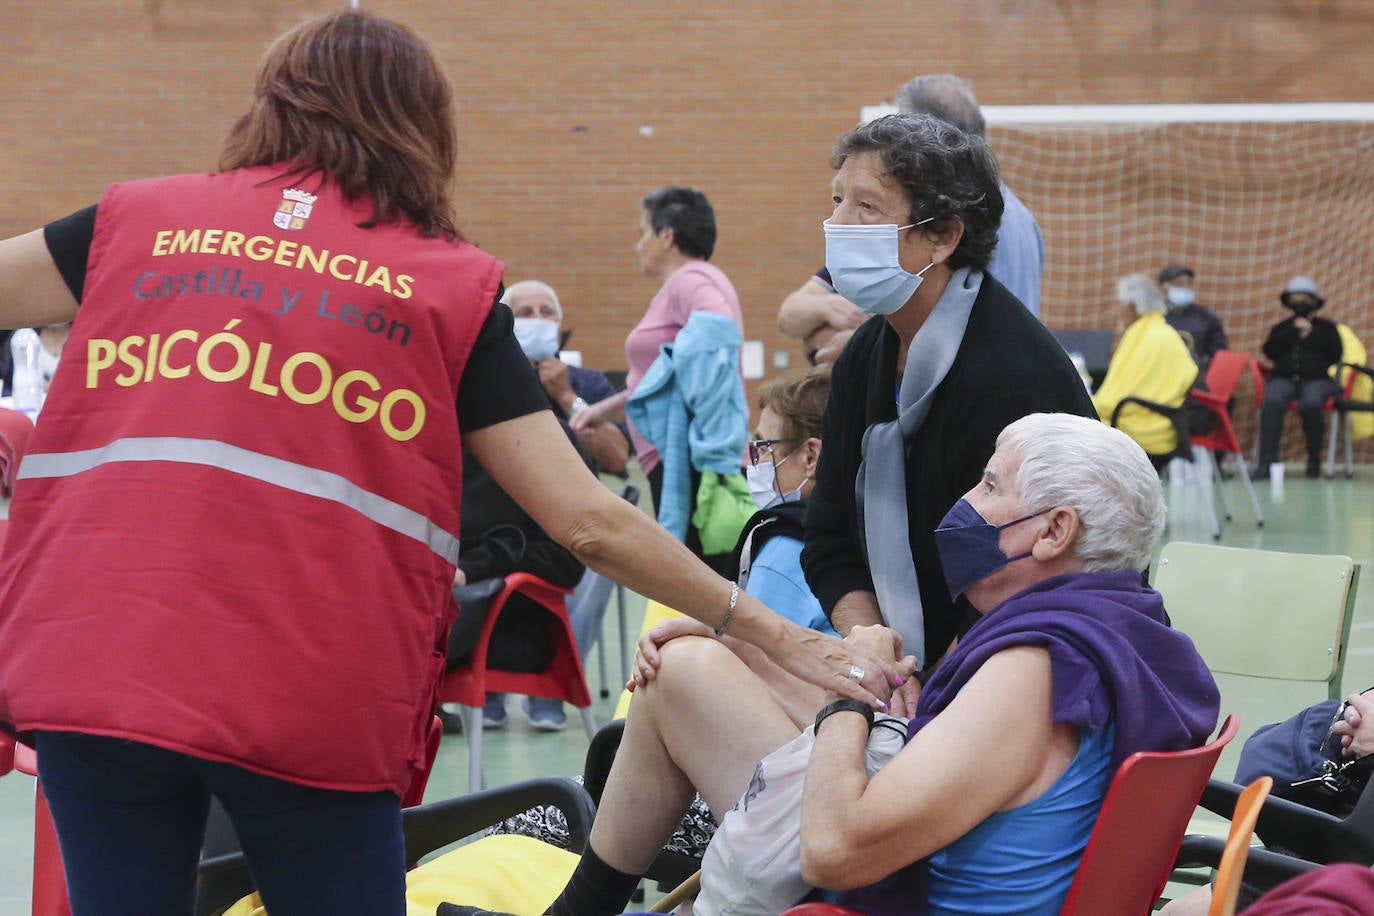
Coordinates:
[1021,862]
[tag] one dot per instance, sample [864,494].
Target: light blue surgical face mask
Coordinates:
[865,266]
[538,337]
[1179,296]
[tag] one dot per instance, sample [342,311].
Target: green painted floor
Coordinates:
[1312,516]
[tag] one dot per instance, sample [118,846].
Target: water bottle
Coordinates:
[29,390]
[1081,366]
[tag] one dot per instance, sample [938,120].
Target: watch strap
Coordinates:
[846,704]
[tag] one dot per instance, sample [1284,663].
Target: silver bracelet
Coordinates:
[729,611]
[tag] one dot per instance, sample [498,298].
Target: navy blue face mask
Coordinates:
[969,546]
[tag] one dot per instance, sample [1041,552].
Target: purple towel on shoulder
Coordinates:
[1111,655]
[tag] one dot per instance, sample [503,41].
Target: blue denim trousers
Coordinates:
[130,820]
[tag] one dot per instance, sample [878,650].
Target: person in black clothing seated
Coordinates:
[1199,326]
[1300,352]
[499,539]
[917,208]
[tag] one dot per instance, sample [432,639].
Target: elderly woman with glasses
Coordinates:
[985,801]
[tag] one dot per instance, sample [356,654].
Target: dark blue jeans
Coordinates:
[130,820]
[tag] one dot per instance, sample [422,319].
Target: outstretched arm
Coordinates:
[32,291]
[532,460]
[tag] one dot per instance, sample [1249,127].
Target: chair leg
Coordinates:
[1201,476]
[1330,469]
[473,727]
[589,722]
[624,634]
[1250,491]
[1349,424]
[601,666]
[1218,485]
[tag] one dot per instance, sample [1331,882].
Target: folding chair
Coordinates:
[427,828]
[1223,374]
[1136,836]
[1184,450]
[15,430]
[1226,890]
[1297,839]
[49,882]
[1347,403]
[1271,626]
[562,680]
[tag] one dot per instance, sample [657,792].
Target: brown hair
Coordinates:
[361,101]
[798,397]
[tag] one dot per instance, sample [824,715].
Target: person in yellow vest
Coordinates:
[1153,363]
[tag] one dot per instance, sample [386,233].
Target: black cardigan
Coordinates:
[1007,366]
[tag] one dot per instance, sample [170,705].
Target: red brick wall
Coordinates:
[744,99]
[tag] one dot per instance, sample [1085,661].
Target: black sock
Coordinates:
[595,889]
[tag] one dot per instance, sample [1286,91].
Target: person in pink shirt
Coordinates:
[677,237]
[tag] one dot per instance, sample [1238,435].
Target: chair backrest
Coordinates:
[1271,626]
[1232,867]
[1224,372]
[15,429]
[1137,834]
[1257,375]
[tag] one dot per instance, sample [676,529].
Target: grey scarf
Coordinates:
[880,487]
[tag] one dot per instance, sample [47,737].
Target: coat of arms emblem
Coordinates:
[294,209]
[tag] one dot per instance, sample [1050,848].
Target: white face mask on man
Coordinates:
[1179,296]
[866,268]
[538,337]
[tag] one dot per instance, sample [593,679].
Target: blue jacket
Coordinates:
[690,405]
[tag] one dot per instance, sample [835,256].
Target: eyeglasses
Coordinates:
[761,447]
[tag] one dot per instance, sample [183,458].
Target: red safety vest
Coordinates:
[236,527]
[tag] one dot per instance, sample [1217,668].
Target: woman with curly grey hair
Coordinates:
[917,398]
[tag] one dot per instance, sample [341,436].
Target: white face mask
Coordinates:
[538,337]
[865,266]
[1179,296]
[763,488]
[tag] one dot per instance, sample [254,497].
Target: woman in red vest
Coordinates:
[232,543]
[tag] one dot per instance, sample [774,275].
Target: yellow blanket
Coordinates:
[1353,352]
[1152,363]
[507,873]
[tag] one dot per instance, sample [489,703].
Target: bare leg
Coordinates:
[704,722]
[797,698]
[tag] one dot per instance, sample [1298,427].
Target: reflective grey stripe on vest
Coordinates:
[298,478]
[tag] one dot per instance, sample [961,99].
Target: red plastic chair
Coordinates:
[562,680]
[49,883]
[15,430]
[1131,851]
[1261,375]
[1223,374]
[1137,835]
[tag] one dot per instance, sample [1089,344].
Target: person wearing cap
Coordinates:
[1200,326]
[1299,351]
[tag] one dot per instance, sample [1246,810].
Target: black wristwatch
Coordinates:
[844,705]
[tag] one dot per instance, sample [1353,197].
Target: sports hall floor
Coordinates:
[1310,516]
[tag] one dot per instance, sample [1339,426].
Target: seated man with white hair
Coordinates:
[990,793]
[1151,362]
[571,389]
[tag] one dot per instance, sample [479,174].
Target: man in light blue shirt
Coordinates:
[1019,259]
